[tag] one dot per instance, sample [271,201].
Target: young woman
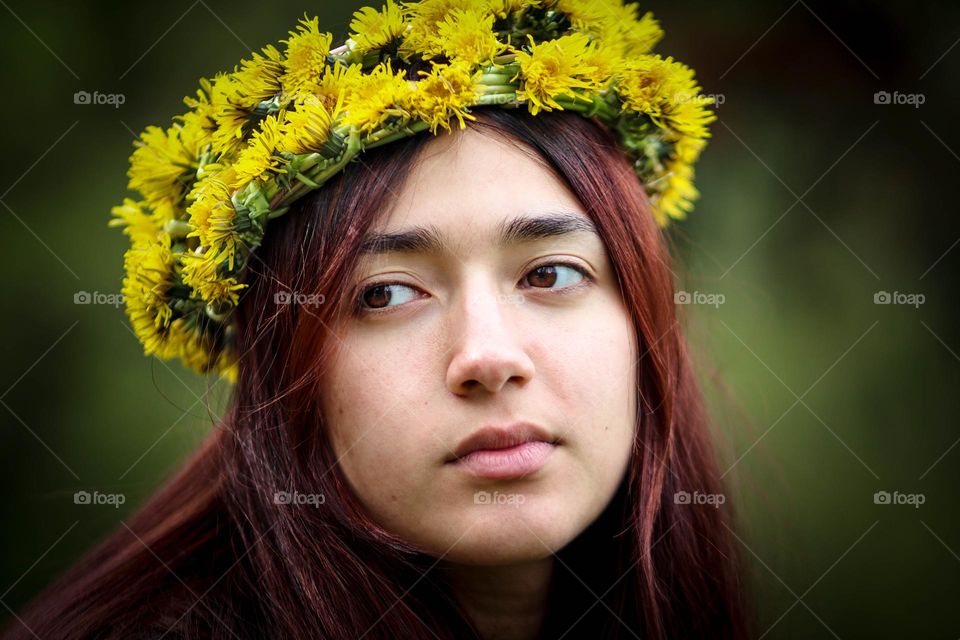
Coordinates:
[463,408]
[361,402]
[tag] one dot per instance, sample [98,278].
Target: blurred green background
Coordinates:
[817,197]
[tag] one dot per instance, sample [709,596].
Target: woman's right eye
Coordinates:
[379,296]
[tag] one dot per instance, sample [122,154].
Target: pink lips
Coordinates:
[504,452]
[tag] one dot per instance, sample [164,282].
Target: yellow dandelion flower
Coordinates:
[233,97]
[231,114]
[149,270]
[554,68]
[199,126]
[676,200]
[212,215]
[201,272]
[372,30]
[645,85]
[259,79]
[372,98]
[675,197]
[690,115]
[164,165]
[503,8]
[139,225]
[330,89]
[637,37]
[259,156]
[228,366]
[605,60]
[594,16]
[424,16]
[449,90]
[468,35]
[687,150]
[614,23]
[308,126]
[200,116]
[185,340]
[306,56]
[666,91]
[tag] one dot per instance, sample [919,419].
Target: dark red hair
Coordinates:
[211,555]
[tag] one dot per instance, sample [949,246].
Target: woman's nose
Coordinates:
[487,344]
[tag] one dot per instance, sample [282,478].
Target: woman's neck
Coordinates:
[504,602]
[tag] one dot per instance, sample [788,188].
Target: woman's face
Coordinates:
[482,333]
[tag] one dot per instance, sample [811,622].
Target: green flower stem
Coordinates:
[503,64]
[277,213]
[177,228]
[598,107]
[309,162]
[407,131]
[286,197]
[219,315]
[497,98]
[307,181]
[496,78]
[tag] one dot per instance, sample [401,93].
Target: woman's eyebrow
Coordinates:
[428,239]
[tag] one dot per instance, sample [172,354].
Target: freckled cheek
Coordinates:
[388,466]
[592,376]
[381,426]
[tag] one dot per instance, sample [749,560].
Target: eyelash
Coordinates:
[359,309]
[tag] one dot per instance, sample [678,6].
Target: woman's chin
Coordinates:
[501,534]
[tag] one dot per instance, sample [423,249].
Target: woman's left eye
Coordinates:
[549,274]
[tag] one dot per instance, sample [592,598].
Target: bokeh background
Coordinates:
[819,197]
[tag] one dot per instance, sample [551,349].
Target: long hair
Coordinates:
[213,555]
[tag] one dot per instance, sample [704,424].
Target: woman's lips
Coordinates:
[512,462]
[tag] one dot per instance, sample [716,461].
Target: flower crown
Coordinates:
[284,121]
